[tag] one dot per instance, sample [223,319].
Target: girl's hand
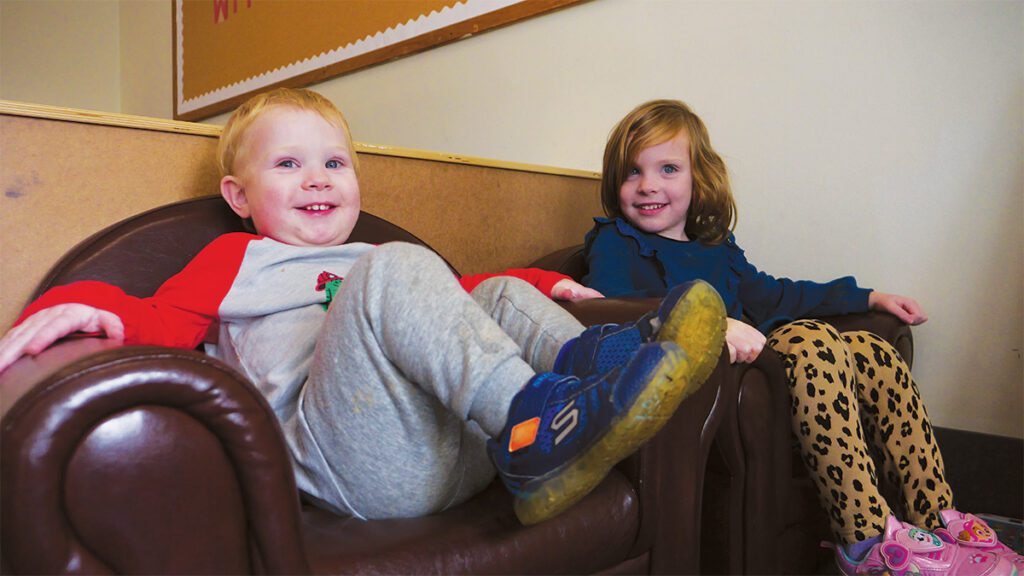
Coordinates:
[571,290]
[744,341]
[47,326]
[905,308]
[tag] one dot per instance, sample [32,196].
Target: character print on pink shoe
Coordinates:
[905,549]
[979,558]
[919,541]
[895,556]
[973,533]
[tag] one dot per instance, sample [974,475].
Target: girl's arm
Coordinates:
[768,300]
[903,307]
[743,341]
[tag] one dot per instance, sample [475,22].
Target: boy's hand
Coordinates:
[905,308]
[47,326]
[744,341]
[571,290]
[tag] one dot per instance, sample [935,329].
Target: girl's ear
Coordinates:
[234,194]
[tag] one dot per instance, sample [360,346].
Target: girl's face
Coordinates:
[655,196]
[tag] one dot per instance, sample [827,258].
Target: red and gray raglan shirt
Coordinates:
[266,300]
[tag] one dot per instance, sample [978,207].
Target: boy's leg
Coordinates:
[900,427]
[402,358]
[825,420]
[539,326]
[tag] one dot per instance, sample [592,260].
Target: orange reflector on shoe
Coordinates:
[523,434]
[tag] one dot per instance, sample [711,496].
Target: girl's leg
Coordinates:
[539,326]
[405,358]
[826,422]
[899,426]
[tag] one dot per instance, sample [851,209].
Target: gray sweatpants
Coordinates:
[410,376]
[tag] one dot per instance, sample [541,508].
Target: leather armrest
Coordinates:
[887,326]
[568,261]
[117,452]
[29,372]
[605,310]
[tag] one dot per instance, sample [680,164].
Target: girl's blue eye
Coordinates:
[334,164]
[670,169]
[286,163]
[633,172]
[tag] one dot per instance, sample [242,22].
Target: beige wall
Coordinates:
[882,139]
[145,50]
[63,53]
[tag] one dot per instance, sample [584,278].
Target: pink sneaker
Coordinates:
[909,551]
[973,533]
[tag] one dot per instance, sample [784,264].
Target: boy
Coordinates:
[393,385]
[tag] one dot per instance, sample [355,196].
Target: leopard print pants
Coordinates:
[853,396]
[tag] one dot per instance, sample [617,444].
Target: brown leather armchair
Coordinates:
[156,460]
[760,511]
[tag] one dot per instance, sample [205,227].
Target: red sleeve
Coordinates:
[543,280]
[181,310]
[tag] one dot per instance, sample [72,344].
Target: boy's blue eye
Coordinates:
[287,164]
[334,164]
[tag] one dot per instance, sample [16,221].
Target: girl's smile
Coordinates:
[650,209]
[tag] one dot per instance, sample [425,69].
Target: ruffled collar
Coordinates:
[642,239]
[626,229]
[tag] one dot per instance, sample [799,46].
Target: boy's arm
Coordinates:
[42,329]
[569,289]
[551,284]
[177,315]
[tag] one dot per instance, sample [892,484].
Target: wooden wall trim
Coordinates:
[363,148]
[197,129]
[106,118]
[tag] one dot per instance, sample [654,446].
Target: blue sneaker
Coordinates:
[564,433]
[692,315]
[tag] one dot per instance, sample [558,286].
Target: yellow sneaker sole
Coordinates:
[697,324]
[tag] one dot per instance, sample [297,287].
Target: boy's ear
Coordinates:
[234,194]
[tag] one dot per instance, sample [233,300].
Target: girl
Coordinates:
[671,213]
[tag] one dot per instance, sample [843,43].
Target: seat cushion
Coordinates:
[481,536]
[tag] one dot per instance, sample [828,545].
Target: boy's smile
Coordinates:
[295,178]
[655,196]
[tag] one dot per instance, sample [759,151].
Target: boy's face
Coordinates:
[294,176]
[655,196]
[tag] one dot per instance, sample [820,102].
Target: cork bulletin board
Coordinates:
[47,207]
[226,50]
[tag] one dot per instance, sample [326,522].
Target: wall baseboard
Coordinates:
[985,471]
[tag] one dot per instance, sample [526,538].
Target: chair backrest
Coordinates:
[138,254]
[568,261]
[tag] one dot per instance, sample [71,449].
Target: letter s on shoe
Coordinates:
[565,421]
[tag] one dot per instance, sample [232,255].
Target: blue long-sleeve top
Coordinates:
[625,261]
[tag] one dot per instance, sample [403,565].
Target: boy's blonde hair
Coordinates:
[712,212]
[243,117]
